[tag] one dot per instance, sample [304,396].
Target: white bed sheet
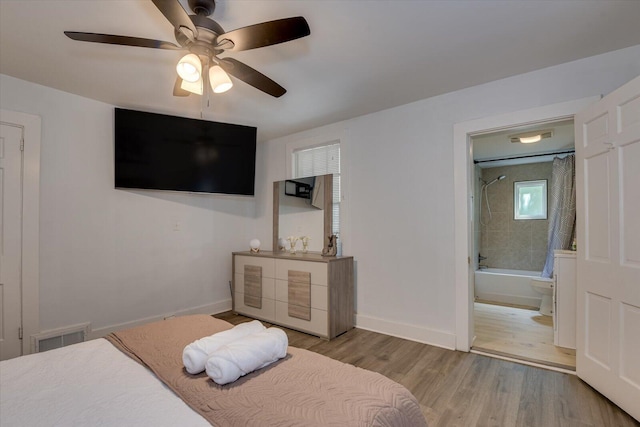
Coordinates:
[87,384]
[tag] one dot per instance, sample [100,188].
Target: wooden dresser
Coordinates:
[306,292]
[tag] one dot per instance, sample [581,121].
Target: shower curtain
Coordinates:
[562,212]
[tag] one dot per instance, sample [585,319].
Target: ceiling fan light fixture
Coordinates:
[193,87]
[202,39]
[189,68]
[220,81]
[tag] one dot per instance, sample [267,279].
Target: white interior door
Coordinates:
[608,239]
[10,241]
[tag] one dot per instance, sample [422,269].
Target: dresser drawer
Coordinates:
[267,264]
[318,325]
[267,312]
[268,286]
[318,270]
[319,297]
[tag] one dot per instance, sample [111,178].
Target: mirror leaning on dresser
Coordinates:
[312,210]
[308,292]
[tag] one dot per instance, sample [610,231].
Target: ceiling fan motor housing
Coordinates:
[202,7]
[205,43]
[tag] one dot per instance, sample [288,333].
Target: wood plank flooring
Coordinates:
[465,389]
[519,333]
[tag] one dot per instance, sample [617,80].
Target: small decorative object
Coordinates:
[282,244]
[255,245]
[305,243]
[331,248]
[292,242]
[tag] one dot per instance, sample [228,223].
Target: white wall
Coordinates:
[399,192]
[110,256]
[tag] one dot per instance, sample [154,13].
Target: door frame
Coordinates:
[30,274]
[463,193]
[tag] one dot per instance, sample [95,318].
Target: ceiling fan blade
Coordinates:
[265,34]
[175,13]
[121,40]
[177,88]
[252,77]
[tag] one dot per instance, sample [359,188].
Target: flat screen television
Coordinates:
[161,152]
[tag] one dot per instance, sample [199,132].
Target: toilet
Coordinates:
[544,286]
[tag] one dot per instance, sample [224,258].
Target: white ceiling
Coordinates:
[362,55]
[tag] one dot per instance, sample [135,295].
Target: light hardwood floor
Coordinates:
[465,389]
[519,333]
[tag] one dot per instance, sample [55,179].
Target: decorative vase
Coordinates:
[292,242]
[305,244]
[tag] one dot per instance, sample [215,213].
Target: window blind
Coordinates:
[321,160]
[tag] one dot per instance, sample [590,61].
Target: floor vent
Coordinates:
[59,338]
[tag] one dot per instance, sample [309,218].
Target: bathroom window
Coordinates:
[530,199]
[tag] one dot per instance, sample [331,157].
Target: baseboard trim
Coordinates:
[215,308]
[524,361]
[509,299]
[406,331]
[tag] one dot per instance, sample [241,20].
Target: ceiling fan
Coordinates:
[204,39]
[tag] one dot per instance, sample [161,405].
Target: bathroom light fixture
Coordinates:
[219,80]
[531,137]
[189,68]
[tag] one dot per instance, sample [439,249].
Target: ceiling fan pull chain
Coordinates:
[205,81]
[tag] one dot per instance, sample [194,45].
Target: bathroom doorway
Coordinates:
[512,177]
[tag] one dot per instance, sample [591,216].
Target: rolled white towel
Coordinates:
[196,354]
[247,354]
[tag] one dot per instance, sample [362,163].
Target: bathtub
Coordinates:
[506,286]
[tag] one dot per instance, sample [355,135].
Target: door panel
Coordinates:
[630,113]
[595,132]
[10,240]
[630,218]
[596,171]
[598,329]
[608,237]
[629,366]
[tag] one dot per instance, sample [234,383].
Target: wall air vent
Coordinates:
[58,338]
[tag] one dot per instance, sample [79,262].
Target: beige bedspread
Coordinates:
[303,389]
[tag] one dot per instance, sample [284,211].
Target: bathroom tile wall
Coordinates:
[506,242]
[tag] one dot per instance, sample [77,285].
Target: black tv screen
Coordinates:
[160,152]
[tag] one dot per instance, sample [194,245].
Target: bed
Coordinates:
[136,377]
